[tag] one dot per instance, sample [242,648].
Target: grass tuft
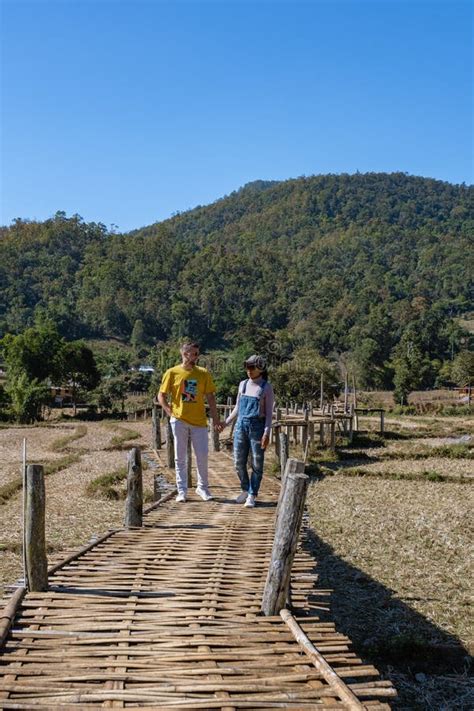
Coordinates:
[12,487]
[61,444]
[119,440]
[104,486]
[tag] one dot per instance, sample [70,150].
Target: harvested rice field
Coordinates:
[73,515]
[390,524]
[395,546]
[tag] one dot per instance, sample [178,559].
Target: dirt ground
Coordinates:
[395,553]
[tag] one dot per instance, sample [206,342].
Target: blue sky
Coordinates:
[126,112]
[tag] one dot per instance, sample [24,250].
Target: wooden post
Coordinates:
[134,502]
[321,392]
[304,430]
[190,462]
[169,444]
[346,391]
[304,436]
[155,429]
[284,452]
[276,439]
[35,540]
[333,437]
[321,434]
[356,418]
[156,487]
[215,443]
[311,433]
[382,422]
[287,528]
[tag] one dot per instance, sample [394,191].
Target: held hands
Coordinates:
[219,426]
[264,441]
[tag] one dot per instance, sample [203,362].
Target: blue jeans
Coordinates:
[247,436]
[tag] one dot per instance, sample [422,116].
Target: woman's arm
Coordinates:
[235,411]
[269,400]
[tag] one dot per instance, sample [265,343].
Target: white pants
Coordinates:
[181,432]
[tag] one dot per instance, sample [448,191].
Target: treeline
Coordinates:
[372,269]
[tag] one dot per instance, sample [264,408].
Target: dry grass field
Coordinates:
[390,525]
[72,515]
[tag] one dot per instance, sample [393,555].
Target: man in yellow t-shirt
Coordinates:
[187,385]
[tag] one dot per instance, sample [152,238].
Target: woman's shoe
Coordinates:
[250,502]
[241,497]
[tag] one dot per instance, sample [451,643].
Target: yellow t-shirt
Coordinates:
[187,389]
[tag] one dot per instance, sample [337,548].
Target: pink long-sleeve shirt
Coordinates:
[267,400]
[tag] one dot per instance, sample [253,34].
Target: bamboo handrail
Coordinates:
[329,675]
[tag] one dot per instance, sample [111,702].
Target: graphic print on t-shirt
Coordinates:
[189,391]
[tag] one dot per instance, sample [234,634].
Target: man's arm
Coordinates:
[211,399]
[163,400]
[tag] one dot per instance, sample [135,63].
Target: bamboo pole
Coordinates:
[8,613]
[134,502]
[85,549]
[334,681]
[35,541]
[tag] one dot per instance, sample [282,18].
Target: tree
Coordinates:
[78,367]
[411,366]
[300,378]
[27,396]
[462,369]
[35,352]
[137,338]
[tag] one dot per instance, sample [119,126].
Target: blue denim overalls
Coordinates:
[247,436]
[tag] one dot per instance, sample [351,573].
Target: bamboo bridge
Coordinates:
[168,616]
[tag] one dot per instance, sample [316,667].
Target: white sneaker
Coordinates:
[250,502]
[241,497]
[181,498]
[205,495]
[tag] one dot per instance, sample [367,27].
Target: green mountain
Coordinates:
[335,262]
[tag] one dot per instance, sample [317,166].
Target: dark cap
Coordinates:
[256,360]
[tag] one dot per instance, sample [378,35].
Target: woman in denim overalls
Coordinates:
[254,412]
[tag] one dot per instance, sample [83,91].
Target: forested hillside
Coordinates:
[339,263]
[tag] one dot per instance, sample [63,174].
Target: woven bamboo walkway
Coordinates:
[167,617]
